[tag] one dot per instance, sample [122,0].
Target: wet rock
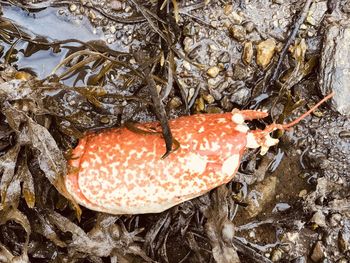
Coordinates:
[175,102]
[240,95]
[344,239]
[224,57]
[265,52]
[346,7]
[200,104]
[318,252]
[238,32]
[240,72]
[316,13]
[335,219]
[213,71]
[248,52]
[249,26]
[116,5]
[217,95]
[228,9]
[319,219]
[187,42]
[335,65]
[276,255]
[302,193]
[226,104]
[73,7]
[208,98]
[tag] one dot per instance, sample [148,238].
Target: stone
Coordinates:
[73,7]
[238,32]
[265,52]
[318,252]
[248,52]
[213,71]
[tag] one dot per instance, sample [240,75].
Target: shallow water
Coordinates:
[44,23]
[42,26]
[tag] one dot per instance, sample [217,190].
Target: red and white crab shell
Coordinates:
[119,171]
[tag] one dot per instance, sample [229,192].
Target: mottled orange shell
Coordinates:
[121,172]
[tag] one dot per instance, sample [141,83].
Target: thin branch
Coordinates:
[291,38]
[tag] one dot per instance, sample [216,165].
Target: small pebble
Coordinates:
[248,51]
[252,234]
[175,102]
[212,82]
[213,72]
[276,255]
[116,5]
[112,29]
[318,252]
[303,27]
[208,98]
[238,32]
[186,65]
[319,219]
[104,120]
[265,52]
[249,26]
[228,9]
[187,42]
[73,7]
[226,104]
[200,104]
[236,17]
[303,193]
[190,94]
[92,15]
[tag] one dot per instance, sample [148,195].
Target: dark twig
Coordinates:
[291,38]
[161,114]
[195,95]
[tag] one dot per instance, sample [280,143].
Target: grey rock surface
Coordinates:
[335,65]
